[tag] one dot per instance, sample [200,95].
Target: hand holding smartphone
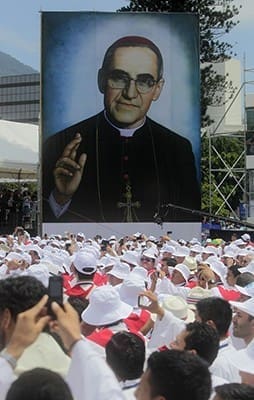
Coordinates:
[55,292]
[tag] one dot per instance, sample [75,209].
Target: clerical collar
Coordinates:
[123,131]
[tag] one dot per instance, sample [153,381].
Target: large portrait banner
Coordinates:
[120,116]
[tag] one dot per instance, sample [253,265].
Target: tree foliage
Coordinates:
[227,170]
[215,21]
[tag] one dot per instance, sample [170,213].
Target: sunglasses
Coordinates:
[146,259]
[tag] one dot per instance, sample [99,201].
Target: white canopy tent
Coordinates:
[19,151]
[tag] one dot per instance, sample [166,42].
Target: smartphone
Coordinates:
[143,301]
[55,292]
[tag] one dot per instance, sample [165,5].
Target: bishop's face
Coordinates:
[127,106]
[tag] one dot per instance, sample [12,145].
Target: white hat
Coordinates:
[197,293]
[105,307]
[197,248]
[191,263]
[242,252]
[151,253]
[245,306]
[120,270]
[239,242]
[106,261]
[247,290]
[167,248]
[91,249]
[35,248]
[85,263]
[152,238]
[244,359]
[181,251]
[112,237]
[137,234]
[2,253]
[13,256]
[229,254]
[184,270]
[130,290]
[39,271]
[26,257]
[218,267]
[245,237]
[81,234]
[194,241]
[130,257]
[139,273]
[178,306]
[209,250]
[249,268]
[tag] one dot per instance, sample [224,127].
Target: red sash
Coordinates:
[101,337]
[135,322]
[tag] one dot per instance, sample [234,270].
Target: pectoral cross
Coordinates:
[129,213]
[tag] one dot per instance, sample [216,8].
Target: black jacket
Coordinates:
[158,164]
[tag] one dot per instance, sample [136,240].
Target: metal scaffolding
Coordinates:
[236,169]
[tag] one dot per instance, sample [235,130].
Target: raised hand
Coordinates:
[68,172]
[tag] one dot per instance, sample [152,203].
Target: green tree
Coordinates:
[215,21]
[223,180]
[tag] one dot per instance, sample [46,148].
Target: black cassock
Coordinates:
[125,177]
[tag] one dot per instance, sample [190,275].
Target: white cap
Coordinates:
[245,306]
[13,256]
[39,271]
[194,241]
[245,237]
[249,268]
[150,253]
[247,290]
[209,250]
[218,267]
[229,254]
[85,263]
[183,269]
[167,248]
[181,251]
[130,257]
[239,242]
[81,234]
[197,248]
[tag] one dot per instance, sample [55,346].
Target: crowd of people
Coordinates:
[18,207]
[140,317]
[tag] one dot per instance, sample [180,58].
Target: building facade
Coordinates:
[20,98]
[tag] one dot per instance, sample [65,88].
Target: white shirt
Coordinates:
[6,377]
[222,366]
[90,377]
[165,330]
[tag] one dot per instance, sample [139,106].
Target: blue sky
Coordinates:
[20,26]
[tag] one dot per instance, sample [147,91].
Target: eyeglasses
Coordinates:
[146,259]
[121,80]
